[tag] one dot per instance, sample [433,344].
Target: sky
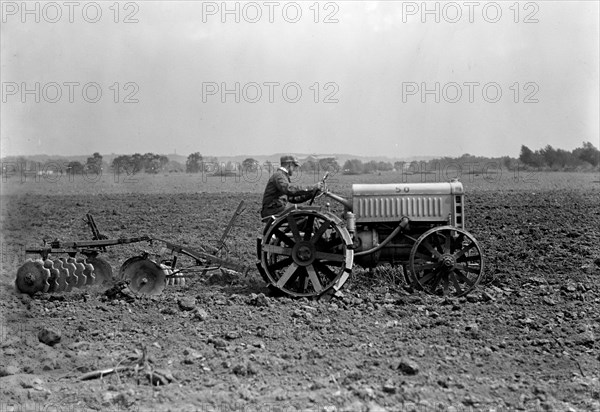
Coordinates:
[370,78]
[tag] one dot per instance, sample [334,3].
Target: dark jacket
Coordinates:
[279,191]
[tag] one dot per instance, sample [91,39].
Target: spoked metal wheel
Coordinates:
[306,253]
[446,261]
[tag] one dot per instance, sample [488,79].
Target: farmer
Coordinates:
[279,190]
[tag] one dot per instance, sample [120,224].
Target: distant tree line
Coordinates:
[357,167]
[559,159]
[548,158]
[326,164]
[135,163]
[94,164]
[196,163]
[586,157]
[466,163]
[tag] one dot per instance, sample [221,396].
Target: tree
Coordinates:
[153,163]
[371,166]
[550,155]
[250,165]
[147,162]
[124,163]
[137,160]
[526,155]
[384,166]
[588,153]
[193,163]
[75,168]
[329,164]
[529,158]
[153,166]
[94,163]
[353,167]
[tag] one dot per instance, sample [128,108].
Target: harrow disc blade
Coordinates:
[125,265]
[88,271]
[102,270]
[54,273]
[79,268]
[71,276]
[33,277]
[62,278]
[145,276]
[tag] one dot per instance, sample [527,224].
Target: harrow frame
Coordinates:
[41,275]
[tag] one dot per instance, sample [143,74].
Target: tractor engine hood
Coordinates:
[390,189]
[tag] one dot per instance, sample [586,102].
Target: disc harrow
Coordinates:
[80,265]
[54,275]
[76,266]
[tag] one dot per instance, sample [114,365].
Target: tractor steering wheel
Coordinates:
[314,196]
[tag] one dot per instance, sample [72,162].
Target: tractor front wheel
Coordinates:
[446,260]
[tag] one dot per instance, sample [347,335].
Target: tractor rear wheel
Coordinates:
[306,253]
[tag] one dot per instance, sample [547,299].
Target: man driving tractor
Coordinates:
[280,191]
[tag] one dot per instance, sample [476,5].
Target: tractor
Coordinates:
[309,251]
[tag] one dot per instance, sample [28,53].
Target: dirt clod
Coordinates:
[200,314]
[259,300]
[389,387]
[407,366]
[8,370]
[218,343]
[49,336]
[187,303]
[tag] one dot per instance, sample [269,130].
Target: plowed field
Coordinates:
[527,339]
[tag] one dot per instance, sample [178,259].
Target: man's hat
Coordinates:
[289,159]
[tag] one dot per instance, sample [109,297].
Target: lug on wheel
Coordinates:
[145,276]
[446,261]
[306,253]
